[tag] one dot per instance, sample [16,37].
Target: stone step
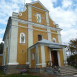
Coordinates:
[69,67]
[68,70]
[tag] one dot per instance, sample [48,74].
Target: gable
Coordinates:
[39,5]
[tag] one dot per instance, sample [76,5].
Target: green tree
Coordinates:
[1,48]
[73,46]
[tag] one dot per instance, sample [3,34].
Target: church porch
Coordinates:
[45,54]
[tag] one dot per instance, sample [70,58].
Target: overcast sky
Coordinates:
[62,12]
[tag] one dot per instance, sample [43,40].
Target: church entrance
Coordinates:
[54,57]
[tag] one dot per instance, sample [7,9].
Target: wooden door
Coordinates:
[54,58]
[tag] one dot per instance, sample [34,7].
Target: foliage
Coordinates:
[73,46]
[1,48]
[72,60]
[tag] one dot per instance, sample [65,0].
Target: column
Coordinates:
[50,56]
[29,57]
[43,56]
[65,56]
[36,56]
[58,54]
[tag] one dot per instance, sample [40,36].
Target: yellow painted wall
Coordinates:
[24,15]
[22,56]
[38,5]
[43,15]
[36,33]
[32,61]
[34,16]
[47,54]
[51,23]
[61,57]
[1,60]
[54,35]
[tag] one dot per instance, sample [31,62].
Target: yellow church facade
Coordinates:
[32,38]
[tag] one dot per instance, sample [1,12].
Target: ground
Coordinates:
[16,75]
[32,75]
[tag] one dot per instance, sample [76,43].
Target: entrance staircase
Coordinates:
[62,71]
[68,70]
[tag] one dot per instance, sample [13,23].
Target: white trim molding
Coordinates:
[13,63]
[35,24]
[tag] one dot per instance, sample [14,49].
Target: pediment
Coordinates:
[38,4]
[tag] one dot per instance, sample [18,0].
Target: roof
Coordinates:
[1,54]
[7,28]
[50,44]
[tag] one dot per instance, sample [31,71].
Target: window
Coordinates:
[38,18]
[33,56]
[54,40]
[22,38]
[39,37]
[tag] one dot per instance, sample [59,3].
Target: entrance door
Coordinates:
[54,58]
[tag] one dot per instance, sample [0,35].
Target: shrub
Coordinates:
[72,60]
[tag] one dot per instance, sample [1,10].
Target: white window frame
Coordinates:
[38,15]
[54,40]
[22,33]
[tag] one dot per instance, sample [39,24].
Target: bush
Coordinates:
[72,60]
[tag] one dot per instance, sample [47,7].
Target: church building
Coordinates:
[32,38]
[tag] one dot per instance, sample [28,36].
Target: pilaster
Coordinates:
[48,30]
[30,31]
[12,56]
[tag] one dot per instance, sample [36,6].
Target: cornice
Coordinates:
[35,24]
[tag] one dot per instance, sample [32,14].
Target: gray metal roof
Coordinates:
[49,44]
[1,54]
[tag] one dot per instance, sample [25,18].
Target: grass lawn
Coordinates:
[16,75]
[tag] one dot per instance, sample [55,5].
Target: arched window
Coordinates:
[22,37]
[54,40]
